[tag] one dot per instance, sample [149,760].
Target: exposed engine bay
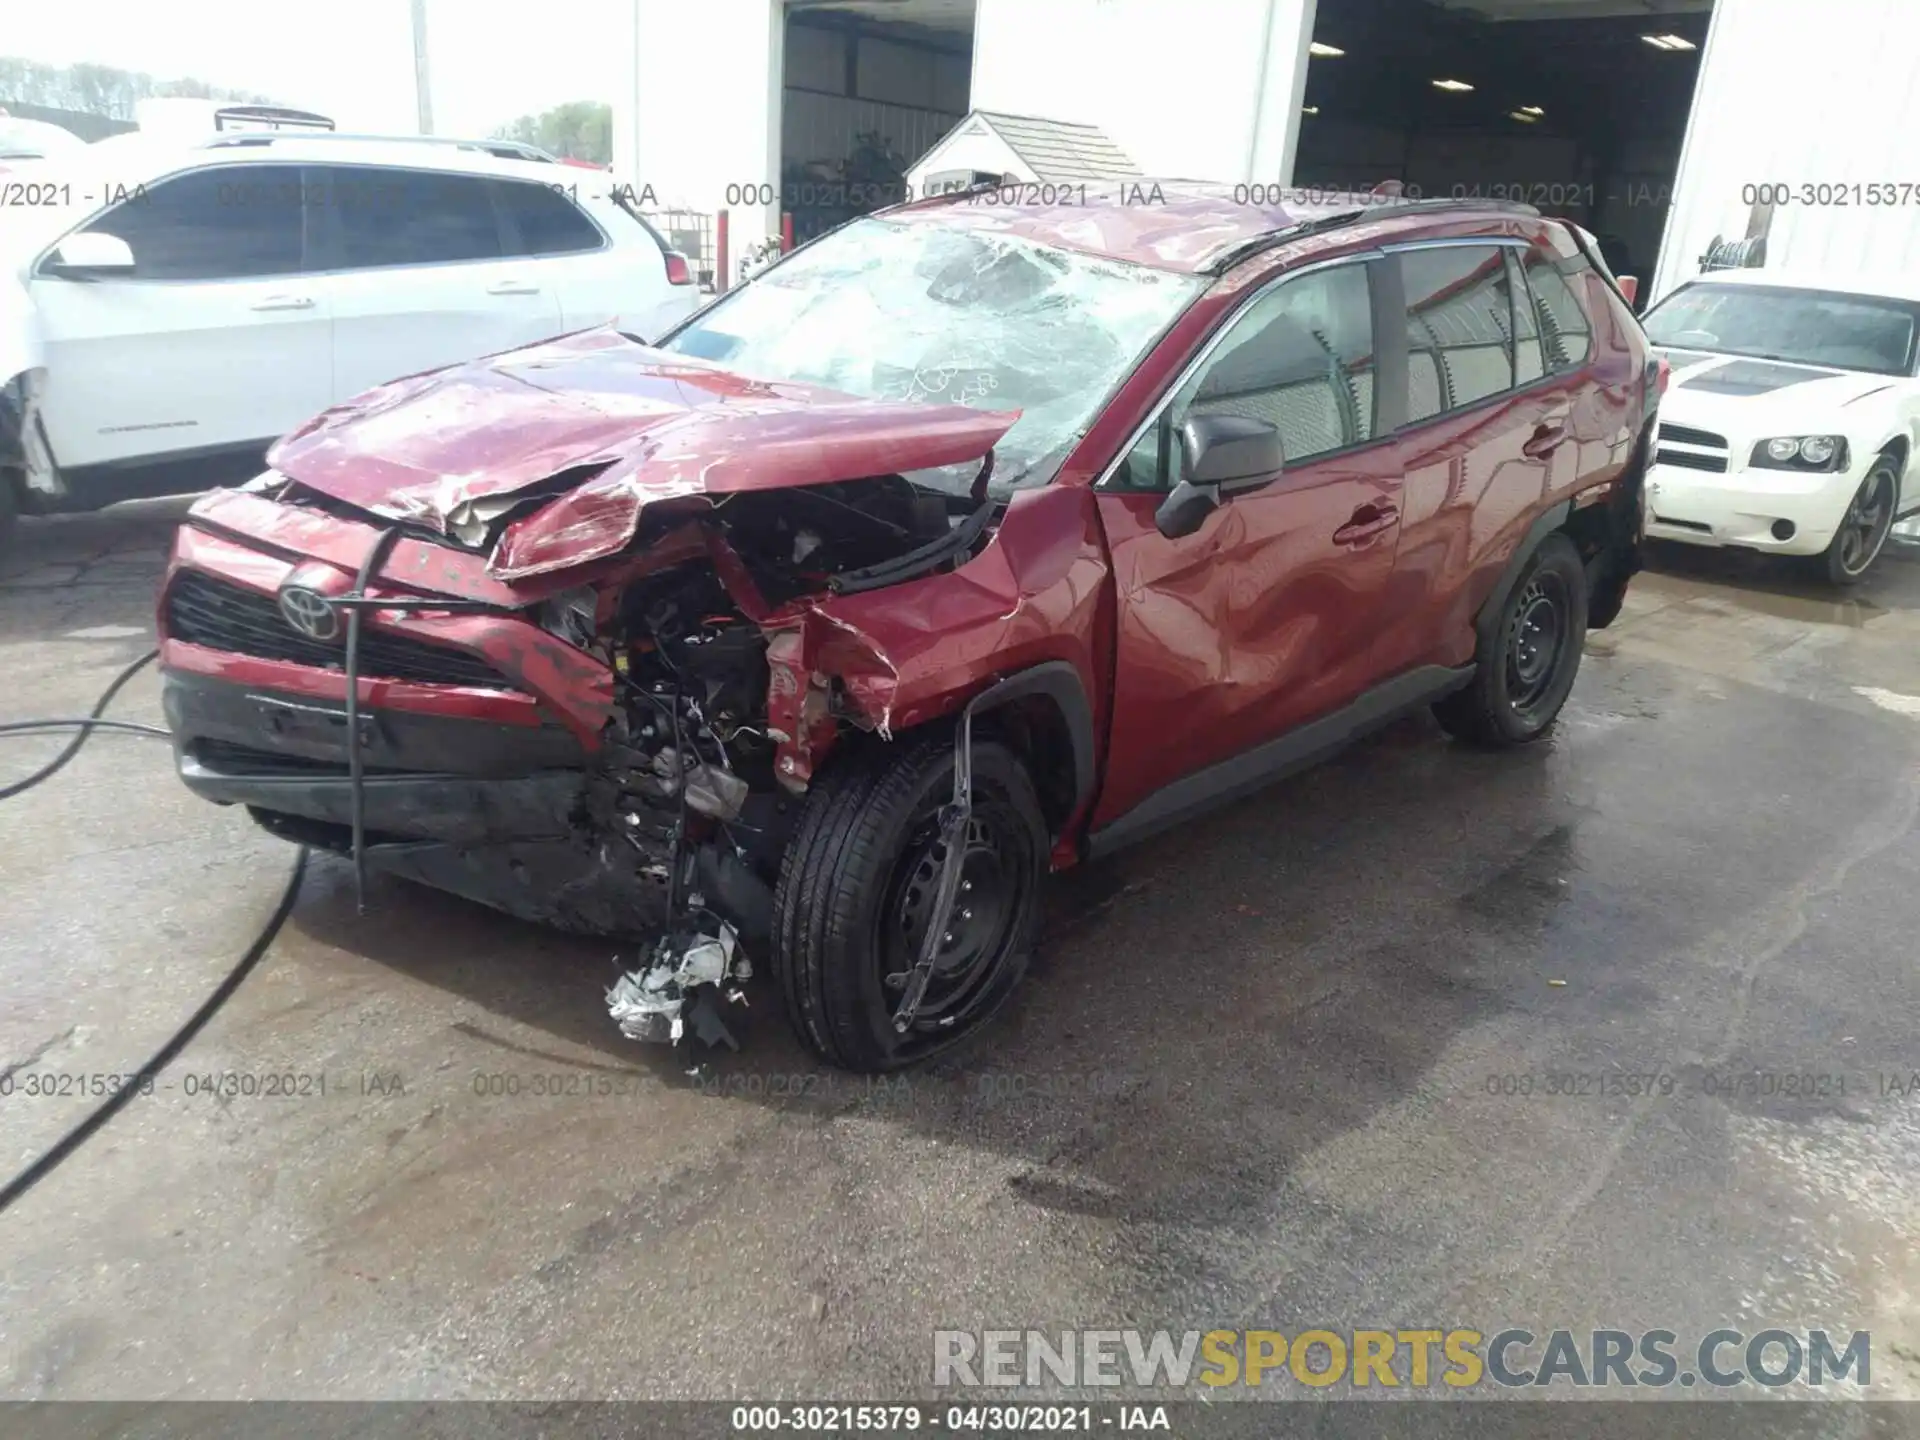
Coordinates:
[689,776]
[676,825]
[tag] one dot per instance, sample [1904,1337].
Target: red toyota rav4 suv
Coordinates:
[971,540]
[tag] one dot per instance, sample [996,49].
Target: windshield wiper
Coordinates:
[918,561]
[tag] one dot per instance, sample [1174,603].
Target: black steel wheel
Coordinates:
[1869,520]
[1529,657]
[857,890]
[1536,644]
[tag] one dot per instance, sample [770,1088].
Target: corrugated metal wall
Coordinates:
[911,94]
[822,127]
[1798,94]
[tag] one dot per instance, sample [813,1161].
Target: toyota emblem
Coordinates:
[309,612]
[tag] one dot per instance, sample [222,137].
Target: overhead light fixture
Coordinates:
[1669,42]
[1325,52]
[1310,110]
[1524,117]
[1457,87]
[1534,110]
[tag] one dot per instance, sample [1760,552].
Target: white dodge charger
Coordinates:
[1793,415]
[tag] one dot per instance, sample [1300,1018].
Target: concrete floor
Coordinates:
[1252,1068]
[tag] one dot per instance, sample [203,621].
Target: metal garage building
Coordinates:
[1652,122]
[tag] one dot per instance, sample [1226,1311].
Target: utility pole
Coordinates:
[422,85]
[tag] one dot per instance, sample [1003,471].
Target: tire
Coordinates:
[9,506]
[856,874]
[1869,520]
[1521,680]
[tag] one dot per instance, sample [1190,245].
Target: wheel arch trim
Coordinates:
[1059,682]
[1486,622]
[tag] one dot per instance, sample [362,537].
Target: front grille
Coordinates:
[205,610]
[1685,435]
[1686,461]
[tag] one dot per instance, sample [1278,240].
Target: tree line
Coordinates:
[100,89]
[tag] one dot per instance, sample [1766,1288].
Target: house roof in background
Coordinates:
[1057,151]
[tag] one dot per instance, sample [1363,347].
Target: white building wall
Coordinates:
[1191,89]
[1213,98]
[703,110]
[1792,92]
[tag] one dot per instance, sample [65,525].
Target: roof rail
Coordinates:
[1377,207]
[499,149]
[271,116]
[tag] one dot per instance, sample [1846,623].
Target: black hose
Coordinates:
[356,766]
[59,762]
[126,727]
[165,1055]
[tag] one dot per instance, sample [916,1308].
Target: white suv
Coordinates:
[168,310]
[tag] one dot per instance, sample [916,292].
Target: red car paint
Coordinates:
[1286,603]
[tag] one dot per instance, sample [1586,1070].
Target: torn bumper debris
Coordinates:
[651,1004]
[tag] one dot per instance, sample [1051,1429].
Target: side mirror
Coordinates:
[1630,287]
[1218,454]
[1229,450]
[91,255]
[1185,509]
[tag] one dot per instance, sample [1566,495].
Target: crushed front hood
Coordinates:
[617,426]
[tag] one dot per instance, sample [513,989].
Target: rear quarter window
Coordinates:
[1566,331]
[546,221]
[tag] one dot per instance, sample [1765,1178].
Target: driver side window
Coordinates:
[226,222]
[1300,358]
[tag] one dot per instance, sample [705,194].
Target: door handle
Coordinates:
[286,302]
[512,287]
[1545,440]
[1369,520]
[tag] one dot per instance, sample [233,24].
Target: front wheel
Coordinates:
[1521,680]
[857,887]
[1869,520]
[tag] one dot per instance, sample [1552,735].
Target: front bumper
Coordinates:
[1750,508]
[497,813]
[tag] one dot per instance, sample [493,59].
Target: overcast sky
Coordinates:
[491,60]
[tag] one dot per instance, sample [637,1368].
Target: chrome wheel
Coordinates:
[1868,521]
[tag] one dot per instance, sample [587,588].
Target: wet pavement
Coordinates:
[1292,1066]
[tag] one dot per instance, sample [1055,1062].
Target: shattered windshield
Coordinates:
[923,312]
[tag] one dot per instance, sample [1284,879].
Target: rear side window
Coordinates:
[1459,327]
[1529,357]
[228,222]
[547,222]
[381,217]
[1565,330]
